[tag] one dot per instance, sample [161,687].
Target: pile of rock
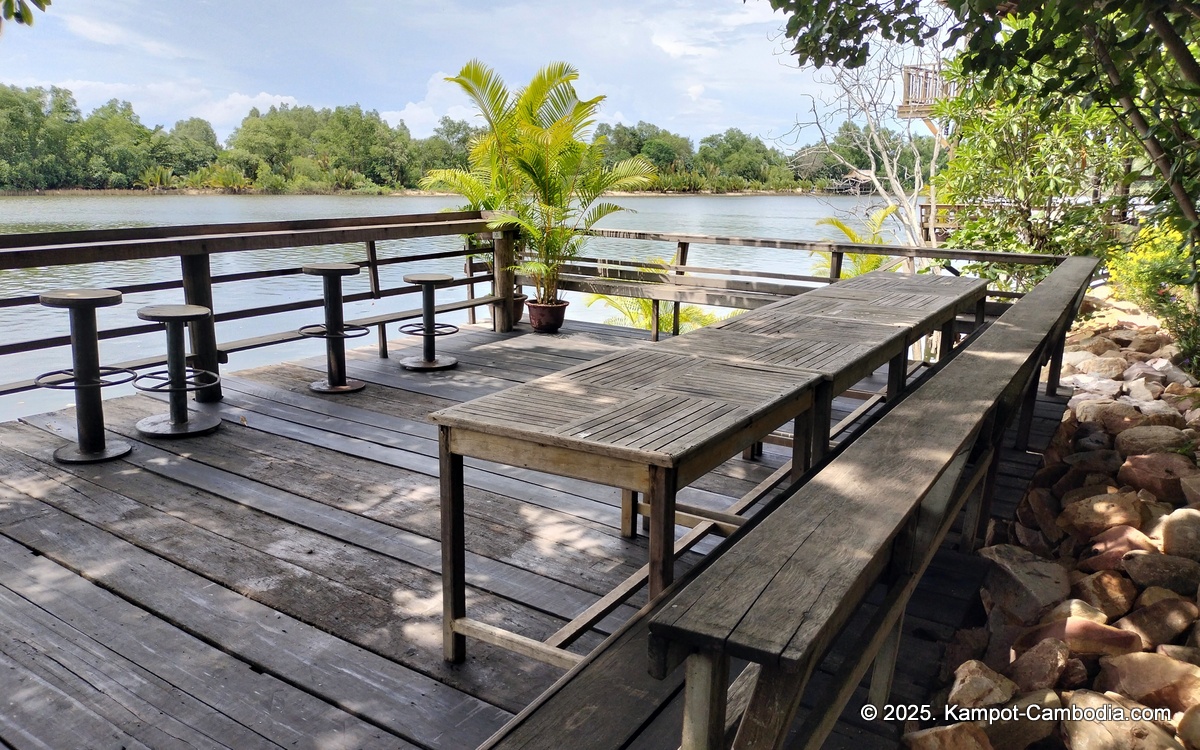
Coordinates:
[1092,595]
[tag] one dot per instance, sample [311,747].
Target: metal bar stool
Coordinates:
[334,331]
[87,377]
[427,328]
[178,378]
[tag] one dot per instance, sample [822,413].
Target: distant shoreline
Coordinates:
[391,194]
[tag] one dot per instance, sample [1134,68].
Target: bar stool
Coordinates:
[427,328]
[178,378]
[87,377]
[334,331]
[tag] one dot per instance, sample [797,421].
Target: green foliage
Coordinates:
[857,264]
[1032,183]
[1135,59]
[636,312]
[157,177]
[533,160]
[1157,274]
[20,10]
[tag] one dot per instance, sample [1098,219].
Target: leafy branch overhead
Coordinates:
[1132,57]
[20,10]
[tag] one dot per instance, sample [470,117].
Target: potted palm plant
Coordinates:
[545,177]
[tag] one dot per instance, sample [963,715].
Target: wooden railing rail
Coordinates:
[195,244]
[875,515]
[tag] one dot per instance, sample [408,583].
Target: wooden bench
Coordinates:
[779,589]
[780,595]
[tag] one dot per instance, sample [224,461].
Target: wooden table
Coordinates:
[645,420]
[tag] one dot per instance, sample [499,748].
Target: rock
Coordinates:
[1160,413]
[1020,733]
[1045,509]
[1108,591]
[1181,532]
[1111,367]
[1146,343]
[1096,345]
[1160,622]
[1144,372]
[1139,390]
[1101,461]
[1153,595]
[1110,547]
[1032,539]
[1094,515]
[1040,667]
[1120,416]
[1075,608]
[1084,734]
[1095,385]
[1189,728]
[1172,373]
[1023,583]
[1076,495]
[1151,679]
[1075,675]
[1090,436]
[976,684]
[1090,408]
[1170,352]
[968,643]
[1189,654]
[1083,638]
[1177,574]
[1190,486]
[1158,473]
[961,736]
[1075,358]
[1047,476]
[1150,439]
[1003,630]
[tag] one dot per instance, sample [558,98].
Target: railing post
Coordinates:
[373,276]
[469,270]
[197,290]
[502,285]
[835,265]
[681,254]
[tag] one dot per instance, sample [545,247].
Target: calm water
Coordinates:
[778,216]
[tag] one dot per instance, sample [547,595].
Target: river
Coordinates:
[776,216]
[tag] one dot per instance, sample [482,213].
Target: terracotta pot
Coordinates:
[518,307]
[547,318]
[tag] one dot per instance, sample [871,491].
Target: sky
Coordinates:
[693,67]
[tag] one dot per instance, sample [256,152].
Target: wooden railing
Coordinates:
[194,245]
[922,86]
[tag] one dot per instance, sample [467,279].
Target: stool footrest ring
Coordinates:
[193,380]
[318,331]
[418,329]
[67,382]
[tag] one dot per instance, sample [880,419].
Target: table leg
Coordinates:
[946,339]
[663,485]
[454,582]
[981,311]
[897,375]
[629,500]
[802,429]
[822,416]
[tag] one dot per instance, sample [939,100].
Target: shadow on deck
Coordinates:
[277,583]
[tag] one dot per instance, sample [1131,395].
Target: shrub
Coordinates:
[1157,275]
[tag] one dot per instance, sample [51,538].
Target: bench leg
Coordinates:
[454,582]
[981,311]
[663,482]
[704,701]
[802,429]
[884,668]
[772,709]
[629,501]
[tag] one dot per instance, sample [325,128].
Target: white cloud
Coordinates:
[226,114]
[676,47]
[442,99]
[104,32]
[695,90]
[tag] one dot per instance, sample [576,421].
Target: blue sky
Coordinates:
[692,67]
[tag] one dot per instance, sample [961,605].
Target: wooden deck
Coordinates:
[277,584]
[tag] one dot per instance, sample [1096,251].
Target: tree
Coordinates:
[1132,57]
[1047,183]
[192,145]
